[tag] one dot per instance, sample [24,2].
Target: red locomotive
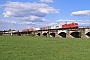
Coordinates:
[71,25]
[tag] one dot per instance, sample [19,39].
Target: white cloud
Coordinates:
[81,13]
[81,23]
[27,23]
[61,21]
[67,20]
[88,20]
[19,9]
[51,24]
[47,1]
[14,22]
[8,21]
[33,19]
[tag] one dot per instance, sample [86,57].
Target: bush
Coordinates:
[79,34]
[32,34]
[1,33]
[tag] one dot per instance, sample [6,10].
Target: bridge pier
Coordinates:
[82,31]
[56,33]
[41,33]
[48,35]
[68,34]
[35,32]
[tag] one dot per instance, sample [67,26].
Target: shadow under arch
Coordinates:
[62,34]
[38,34]
[76,34]
[45,34]
[88,34]
[52,34]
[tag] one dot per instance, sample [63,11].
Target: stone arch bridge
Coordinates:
[65,33]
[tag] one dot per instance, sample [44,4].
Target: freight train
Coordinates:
[63,26]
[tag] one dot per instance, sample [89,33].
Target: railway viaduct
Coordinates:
[65,33]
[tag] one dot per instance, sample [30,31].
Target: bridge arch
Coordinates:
[62,34]
[44,34]
[38,34]
[88,34]
[76,34]
[52,34]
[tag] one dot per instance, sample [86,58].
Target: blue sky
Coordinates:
[23,14]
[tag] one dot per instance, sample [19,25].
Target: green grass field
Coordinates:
[43,48]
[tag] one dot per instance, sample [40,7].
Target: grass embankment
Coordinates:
[43,48]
